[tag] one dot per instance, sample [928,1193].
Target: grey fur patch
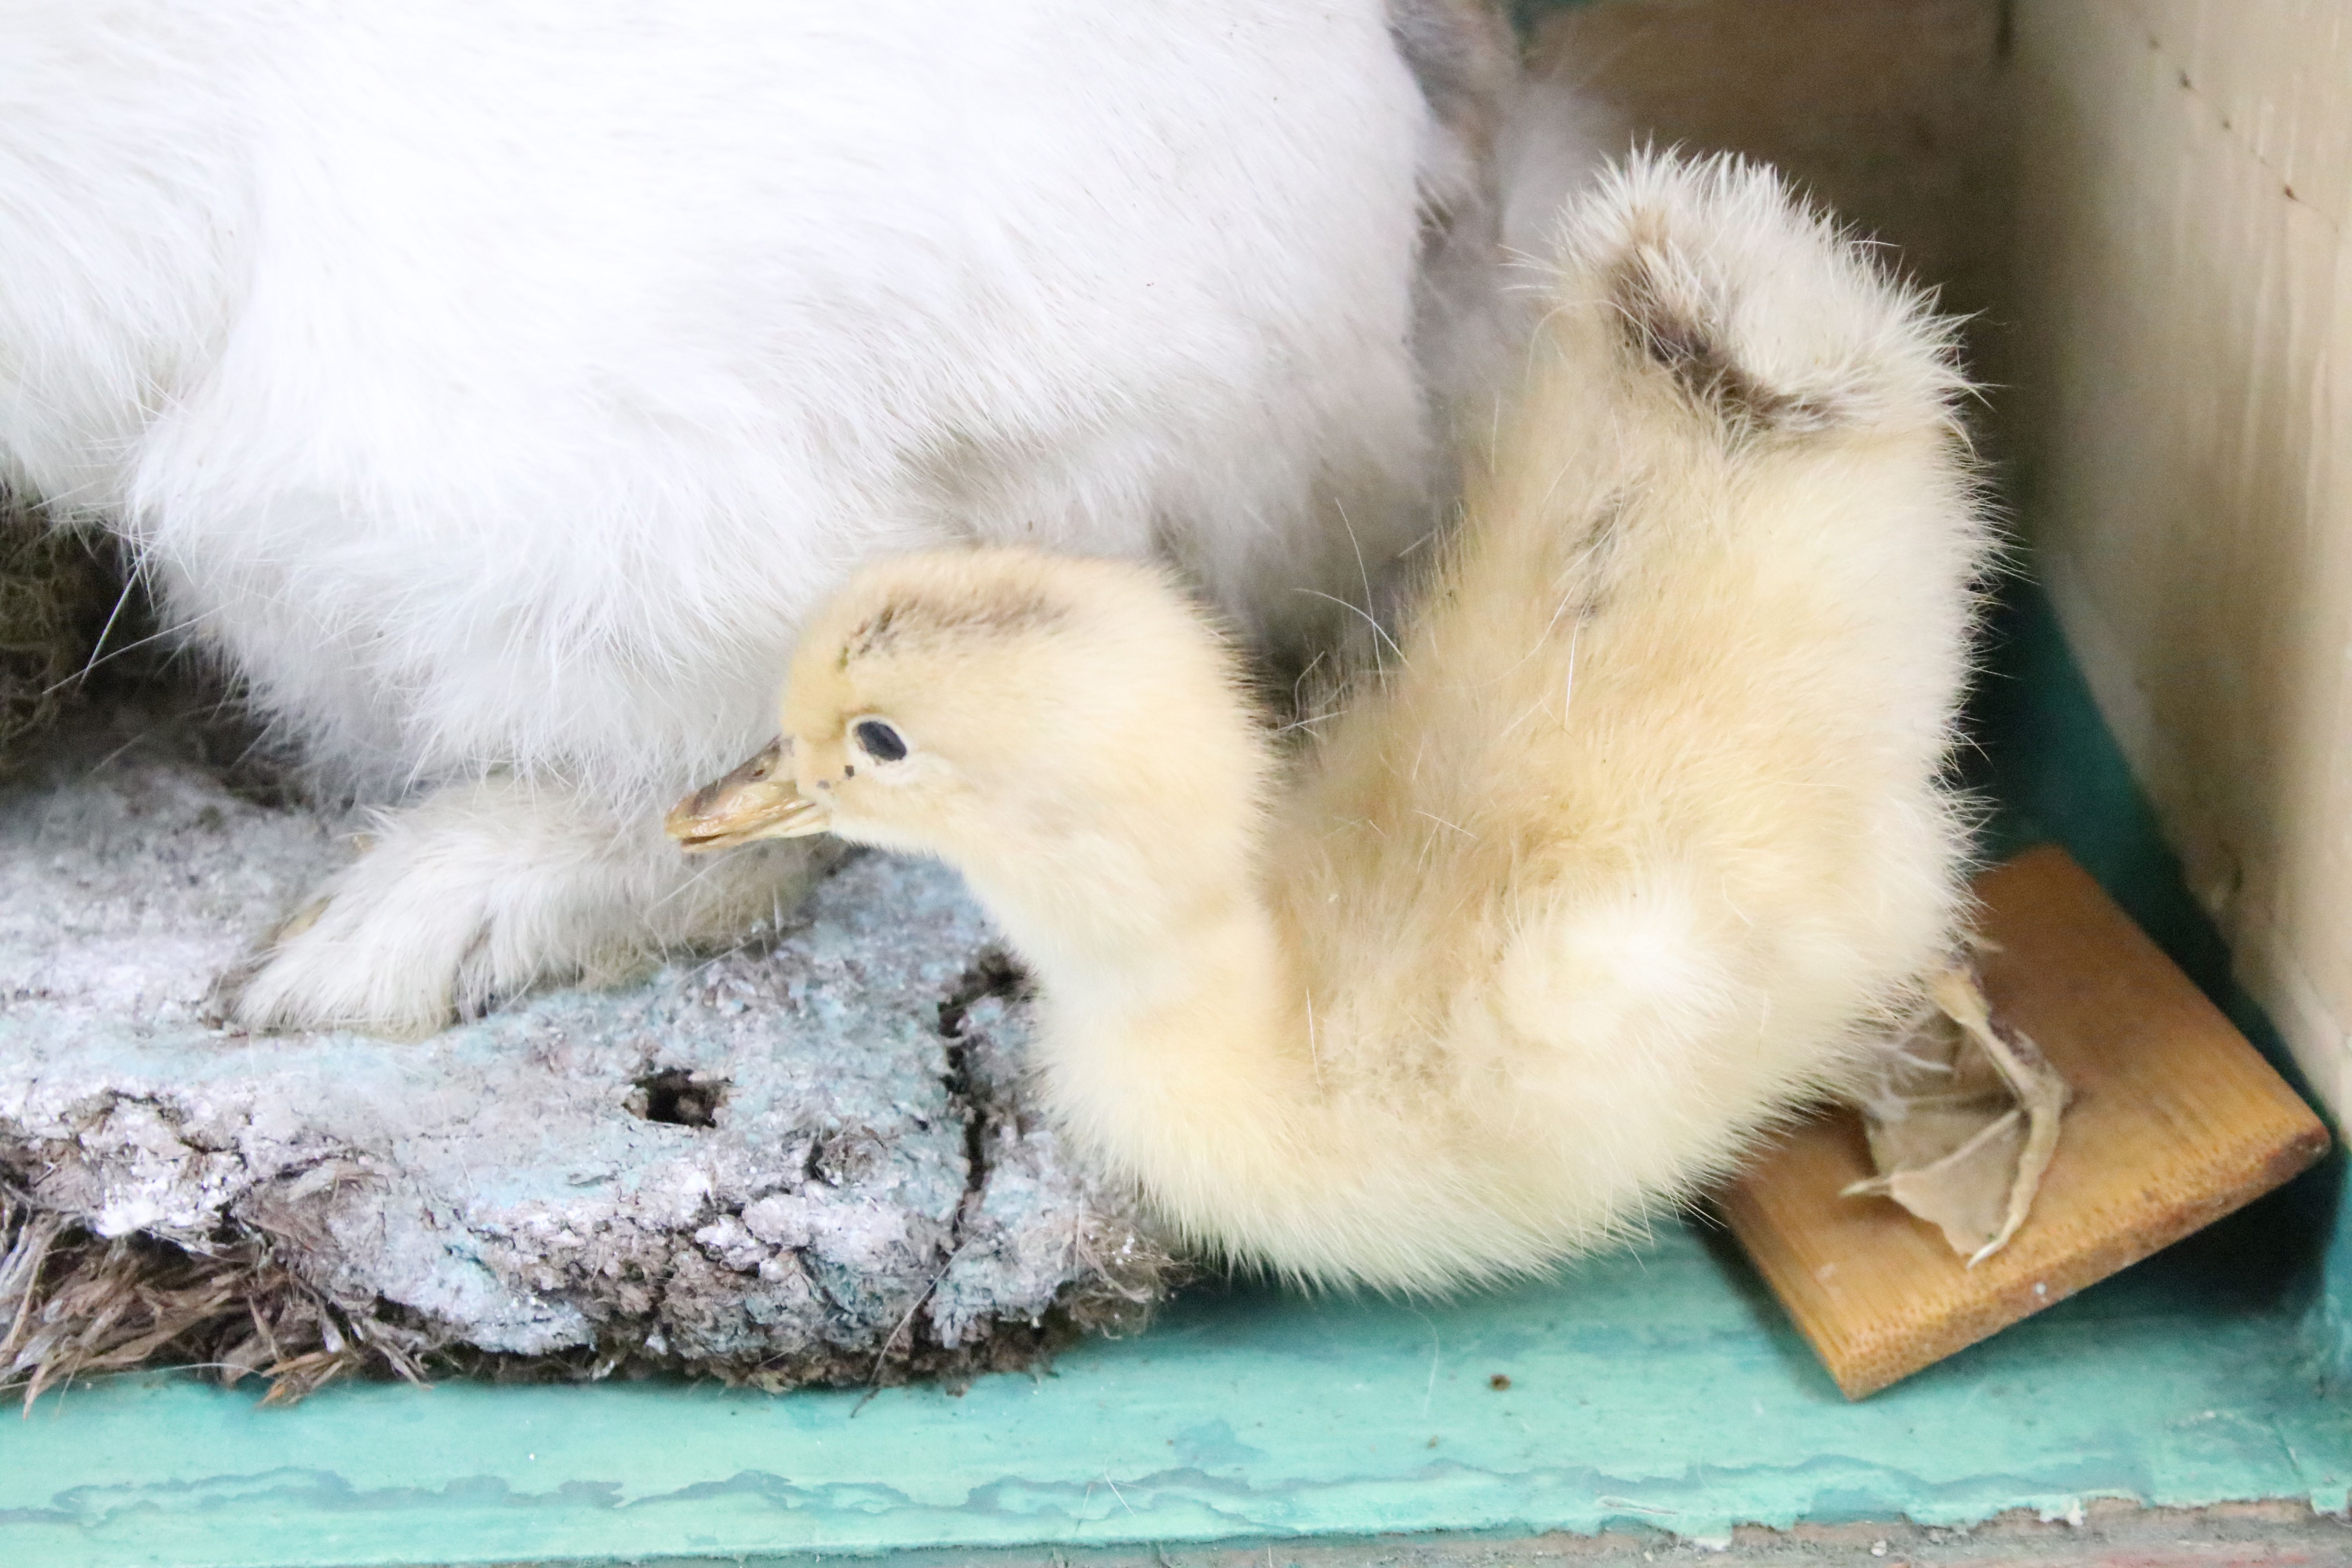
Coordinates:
[1465,61]
[1462,57]
[1000,612]
[1688,344]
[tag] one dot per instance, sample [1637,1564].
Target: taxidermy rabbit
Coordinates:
[494,384]
[1623,851]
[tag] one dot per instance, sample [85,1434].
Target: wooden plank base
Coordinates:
[2176,1122]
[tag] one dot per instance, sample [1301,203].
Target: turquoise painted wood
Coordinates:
[1659,1388]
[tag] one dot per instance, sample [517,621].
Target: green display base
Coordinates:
[1661,1390]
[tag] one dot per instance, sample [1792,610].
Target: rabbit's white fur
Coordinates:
[496,383]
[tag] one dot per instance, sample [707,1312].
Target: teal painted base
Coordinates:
[1660,1388]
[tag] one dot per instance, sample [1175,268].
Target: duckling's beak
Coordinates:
[756,801]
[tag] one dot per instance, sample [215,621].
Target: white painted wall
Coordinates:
[2182,292]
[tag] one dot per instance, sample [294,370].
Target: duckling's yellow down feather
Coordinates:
[1621,851]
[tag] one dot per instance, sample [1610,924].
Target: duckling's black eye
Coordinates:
[882,743]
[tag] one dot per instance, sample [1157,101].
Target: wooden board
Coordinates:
[2176,1122]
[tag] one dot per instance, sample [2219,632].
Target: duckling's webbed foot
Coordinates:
[486,891]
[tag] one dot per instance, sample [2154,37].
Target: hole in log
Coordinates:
[676,1096]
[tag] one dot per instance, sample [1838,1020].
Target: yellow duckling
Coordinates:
[1622,853]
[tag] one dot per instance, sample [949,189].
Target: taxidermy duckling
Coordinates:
[1623,850]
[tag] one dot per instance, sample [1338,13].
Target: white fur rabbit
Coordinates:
[494,383]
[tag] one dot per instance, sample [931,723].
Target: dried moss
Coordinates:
[55,591]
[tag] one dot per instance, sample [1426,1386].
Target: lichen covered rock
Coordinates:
[805,1160]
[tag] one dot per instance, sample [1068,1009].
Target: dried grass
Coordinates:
[75,1306]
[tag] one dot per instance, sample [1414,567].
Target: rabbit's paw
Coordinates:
[486,891]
